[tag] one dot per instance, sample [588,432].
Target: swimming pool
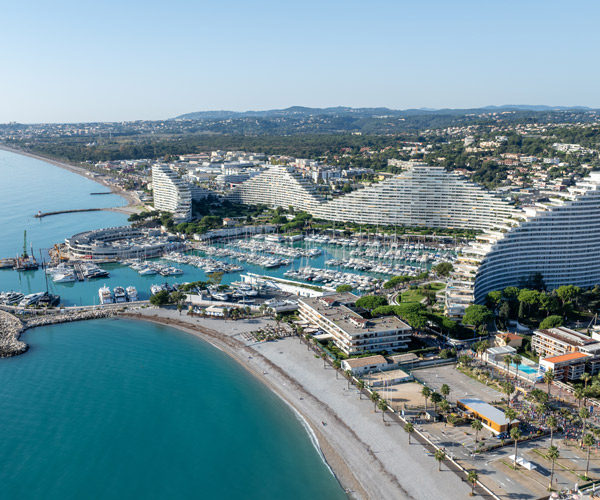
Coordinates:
[525,369]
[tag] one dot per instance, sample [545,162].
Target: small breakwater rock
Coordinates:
[53,319]
[10,330]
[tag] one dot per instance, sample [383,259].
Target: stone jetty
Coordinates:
[10,329]
[53,319]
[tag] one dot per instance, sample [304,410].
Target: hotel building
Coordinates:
[171,193]
[353,334]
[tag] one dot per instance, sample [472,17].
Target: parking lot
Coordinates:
[460,385]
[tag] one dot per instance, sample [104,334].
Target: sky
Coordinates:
[82,61]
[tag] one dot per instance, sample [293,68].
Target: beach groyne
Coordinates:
[10,330]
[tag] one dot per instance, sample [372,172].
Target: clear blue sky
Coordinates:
[66,60]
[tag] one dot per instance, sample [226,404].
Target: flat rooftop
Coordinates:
[566,335]
[486,410]
[332,307]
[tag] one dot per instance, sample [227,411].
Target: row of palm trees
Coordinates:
[440,455]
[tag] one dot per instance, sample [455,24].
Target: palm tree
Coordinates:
[579,394]
[426,393]
[444,406]
[383,407]
[436,399]
[510,415]
[589,441]
[360,384]
[507,361]
[349,375]
[584,414]
[375,399]
[472,477]
[508,389]
[515,433]
[586,377]
[553,455]
[517,360]
[548,379]
[476,425]
[409,429]
[445,390]
[337,364]
[552,423]
[440,456]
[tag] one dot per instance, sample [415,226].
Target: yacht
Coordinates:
[49,300]
[11,298]
[31,299]
[148,271]
[132,294]
[119,293]
[105,295]
[66,277]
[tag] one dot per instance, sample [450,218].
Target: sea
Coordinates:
[119,409]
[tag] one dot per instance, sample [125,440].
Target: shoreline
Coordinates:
[332,459]
[133,203]
[369,460]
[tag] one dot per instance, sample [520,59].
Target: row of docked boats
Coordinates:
[267,247]
[249,257]
[333,278]
[19,299]
[63,273]
[117,295]
[207,264]
[147,268]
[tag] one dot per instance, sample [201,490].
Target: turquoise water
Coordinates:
[525,369]
[28,185]
[118,409]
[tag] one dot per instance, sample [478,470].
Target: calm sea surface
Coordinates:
[118,409]
[115,409]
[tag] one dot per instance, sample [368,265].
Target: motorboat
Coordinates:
[105,295]
[131,294]
[119,294]
[31,299]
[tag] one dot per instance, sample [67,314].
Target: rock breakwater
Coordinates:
[10,330]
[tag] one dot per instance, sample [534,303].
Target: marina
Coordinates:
[328,262]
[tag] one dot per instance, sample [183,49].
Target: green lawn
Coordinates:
[417,296]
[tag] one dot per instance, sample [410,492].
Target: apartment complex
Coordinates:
[278,186]
[559,238]
[422,196]
[569,366]
[353,334]
[171,193]
[558,341]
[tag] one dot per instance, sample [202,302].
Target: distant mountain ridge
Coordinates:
[341,111]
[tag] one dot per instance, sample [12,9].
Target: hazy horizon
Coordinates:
[73,62]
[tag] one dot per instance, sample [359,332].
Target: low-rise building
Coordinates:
[566,367]
[490,416]
[509,339]
[360,366]
[558,341]
[352,333]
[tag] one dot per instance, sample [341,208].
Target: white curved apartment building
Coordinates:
[278,186]
[559,238]
[171,193]
[420,196]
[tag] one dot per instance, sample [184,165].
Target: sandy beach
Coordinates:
[134,205]
[371,459]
